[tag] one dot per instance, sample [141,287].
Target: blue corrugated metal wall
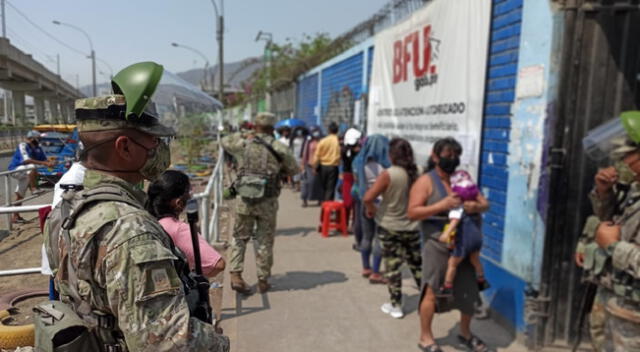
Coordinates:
[346,73]
[499,95]
[308,99]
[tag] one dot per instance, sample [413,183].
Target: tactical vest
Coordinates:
[598,264]
[259,173]
[98,328]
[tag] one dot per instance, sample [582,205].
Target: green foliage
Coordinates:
[191,135]
[291,59]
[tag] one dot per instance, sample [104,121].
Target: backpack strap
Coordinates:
[104,322]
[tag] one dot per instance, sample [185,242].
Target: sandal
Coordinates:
[473,344]
[431,348]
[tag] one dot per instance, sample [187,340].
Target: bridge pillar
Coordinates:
[38,103]
[56,116]
[69,112]
[19,108]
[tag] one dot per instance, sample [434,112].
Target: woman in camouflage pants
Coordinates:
[399,236]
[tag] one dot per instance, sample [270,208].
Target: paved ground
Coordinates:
[320,302]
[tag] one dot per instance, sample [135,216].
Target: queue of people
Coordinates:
[401,213]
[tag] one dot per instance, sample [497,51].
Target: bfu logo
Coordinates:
[417,52]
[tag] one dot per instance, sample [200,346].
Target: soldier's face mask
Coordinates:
[158,159]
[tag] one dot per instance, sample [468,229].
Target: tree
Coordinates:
[291,59]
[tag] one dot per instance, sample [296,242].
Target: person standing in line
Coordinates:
[311,189]
[262,163]
[430,200]
[327,158]
[349,152]
[398,235]
[27,157]
[368,165]
[298,138]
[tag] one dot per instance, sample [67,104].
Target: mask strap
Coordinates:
[113,139]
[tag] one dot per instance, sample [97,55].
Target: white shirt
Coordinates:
[73,176]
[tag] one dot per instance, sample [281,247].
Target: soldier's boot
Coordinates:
[263,286]
[239,285]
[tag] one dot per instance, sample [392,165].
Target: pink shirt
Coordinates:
[181,235]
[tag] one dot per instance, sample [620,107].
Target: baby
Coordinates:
[468,240]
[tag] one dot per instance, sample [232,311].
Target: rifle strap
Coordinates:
[269,148]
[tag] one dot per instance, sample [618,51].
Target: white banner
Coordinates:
[428,78]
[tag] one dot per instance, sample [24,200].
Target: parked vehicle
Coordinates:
[60,143]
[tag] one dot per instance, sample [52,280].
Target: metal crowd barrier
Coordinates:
[8,204]
[210,201]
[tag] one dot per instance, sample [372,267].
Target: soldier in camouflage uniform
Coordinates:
[119,272]
[262,163]
[613,259]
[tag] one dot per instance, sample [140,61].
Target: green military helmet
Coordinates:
[137,83]
[631,122]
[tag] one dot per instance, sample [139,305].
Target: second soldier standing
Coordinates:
[262,163]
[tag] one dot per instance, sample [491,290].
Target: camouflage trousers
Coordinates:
[622,328]
[400,247]
[262,228]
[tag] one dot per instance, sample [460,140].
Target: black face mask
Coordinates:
[35,143]
[449,165]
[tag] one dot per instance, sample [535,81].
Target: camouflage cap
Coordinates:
[107,113]
[265,119]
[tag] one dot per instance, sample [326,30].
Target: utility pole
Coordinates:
[93,72]
[220,37]
[58,63]
[4,20]
[268,38]
[92,56]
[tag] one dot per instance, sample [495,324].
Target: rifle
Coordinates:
[586,303]
[202,310]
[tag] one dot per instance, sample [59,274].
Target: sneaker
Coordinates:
[366,273]
[376,278]
[394,311]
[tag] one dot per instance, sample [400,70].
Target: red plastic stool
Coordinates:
[340,222]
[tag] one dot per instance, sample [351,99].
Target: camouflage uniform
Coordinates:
[125,265]
[617,269]
[260,215]
[399,247]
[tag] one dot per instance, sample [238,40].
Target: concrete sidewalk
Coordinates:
[321,303]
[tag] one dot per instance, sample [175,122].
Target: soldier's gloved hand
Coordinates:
[607,234]
[605,179]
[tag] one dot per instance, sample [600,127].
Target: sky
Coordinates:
[128,31]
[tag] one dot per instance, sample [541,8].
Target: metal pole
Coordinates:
[221,55]
[93,72]
[267,52]
[58,63]
[7,191]
[21,271]
[4,20]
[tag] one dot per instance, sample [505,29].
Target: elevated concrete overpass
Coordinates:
[23,76]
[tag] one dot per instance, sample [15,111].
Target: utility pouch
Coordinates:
[59,329]
[251,187]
